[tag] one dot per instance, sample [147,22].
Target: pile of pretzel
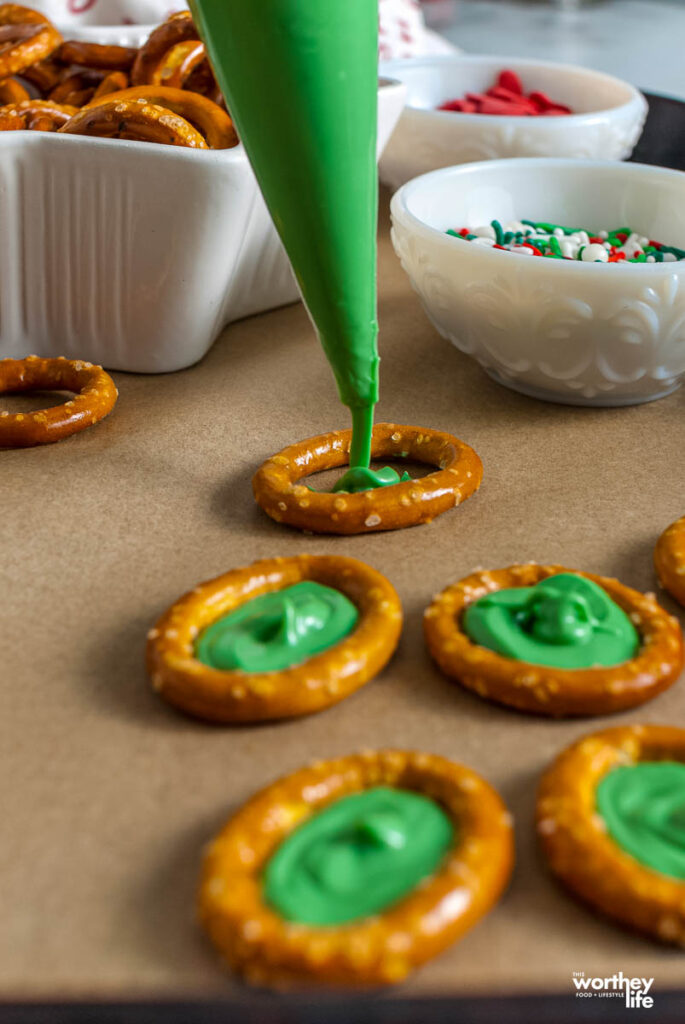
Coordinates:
[164,92]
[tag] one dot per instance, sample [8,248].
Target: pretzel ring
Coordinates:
[95,395]
[179,63]
[669,559]
[96,55]
[376,950]
[544,689]
[137,120]
[77,88]
[12,91]
[38,115]
[45,74]
[150,59]
[320,681]
[25,37]
[115,81]
[278,492]
[205,115]
[580,851]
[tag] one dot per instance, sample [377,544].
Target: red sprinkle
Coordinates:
[506,97]
[510,80]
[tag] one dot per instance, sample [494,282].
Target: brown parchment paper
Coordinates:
[108,795]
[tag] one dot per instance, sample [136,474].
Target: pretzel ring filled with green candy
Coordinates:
[402,853]
[646,642]
[611,823]
[239,648]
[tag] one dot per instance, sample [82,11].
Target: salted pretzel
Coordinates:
[78,88]
[669,559]
[138,120]
[277,488]
[44,75]
[26,36]
[94,397]
[322,680]
[206,117]
[37,115]
[12,91]
[96,55]
[180,63]
[379,950]
[544,689]
[580,851]
[153,59]
[115,81]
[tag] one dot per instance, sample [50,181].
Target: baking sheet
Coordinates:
[108,795]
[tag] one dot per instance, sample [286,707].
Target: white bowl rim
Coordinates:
[400,209]
[390,66]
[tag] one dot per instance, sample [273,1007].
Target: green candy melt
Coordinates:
[358,857]
[643,806]
[278,630]
[360,479]
[565,621]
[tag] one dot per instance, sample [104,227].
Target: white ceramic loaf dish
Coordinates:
[563,331]
[132,255]
[608,119]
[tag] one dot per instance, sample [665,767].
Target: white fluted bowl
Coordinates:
[565,331]
[608,119]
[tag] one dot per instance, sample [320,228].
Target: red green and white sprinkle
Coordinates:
[557,242]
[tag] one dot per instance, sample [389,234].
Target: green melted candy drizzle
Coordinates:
[278,629]
[565,621]
[643,806]
[360,479]
[359,856]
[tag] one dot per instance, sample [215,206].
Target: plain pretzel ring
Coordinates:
[12,91]
[320,681]
[203,114]
[137,120]
[278,491]
[378,950]
[95,396]
[25,38]
[38,115]
[96,55]
[545,689]
[669,559]
[580,851]
[178,28]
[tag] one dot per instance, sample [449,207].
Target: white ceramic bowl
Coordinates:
[134,255]
[609,119]
[565,331]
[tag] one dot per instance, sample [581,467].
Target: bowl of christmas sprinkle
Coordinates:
[463,108]
[564,279]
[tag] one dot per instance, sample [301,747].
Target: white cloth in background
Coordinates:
[402,29]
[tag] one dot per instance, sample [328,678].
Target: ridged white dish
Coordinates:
[564,331]
[133,255]
[609,115]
